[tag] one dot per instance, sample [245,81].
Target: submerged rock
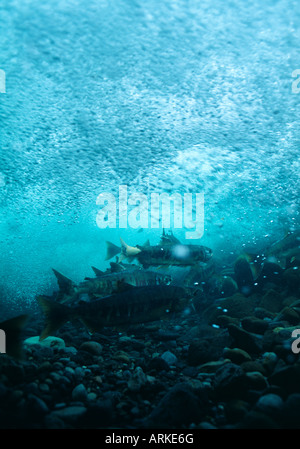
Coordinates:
[52,342]
[270,404]
[69,414]
[271,301]
[92,347]
[180,406]
[245,340]
[169,357]
[79,393]
[237,355]
[230,381]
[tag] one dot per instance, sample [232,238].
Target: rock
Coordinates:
[52,342]
[271,301]
[253,365]
[292,279]
[3,391]
[287,378]
[250,343]
[256,380]
[291,411]
[270,404]
[158,364]
[230,381]
[14,371]
[36,406]
[257,420]
[92,347]
[290,301]
[261,313]
[271,273]
[204,350]
[121,356]
[236,355]
[70,414]
[138,380]
[180,406]
[206,425]
[79,393]
[44,388]
[100,414]
[212,367]
[79,373]
[237,306]
[165,335]
[131,343]
[68,350]
[255,325]
[269,360]
[45,366]
[288,314]
[224,321]
[236,409]
[53,422]
[169,357]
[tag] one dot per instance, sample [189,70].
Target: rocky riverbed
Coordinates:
[228,365]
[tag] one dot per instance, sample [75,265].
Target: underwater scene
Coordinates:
[149,216]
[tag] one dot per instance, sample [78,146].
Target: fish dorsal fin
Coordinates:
[147,243]
[168,239]
[97,272]
[111,250]
[65,284]
[128,251]
[116,267]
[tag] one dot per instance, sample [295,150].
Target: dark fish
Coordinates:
[138,305]
[13,329]
[172,254]
[107,284]
[169,252]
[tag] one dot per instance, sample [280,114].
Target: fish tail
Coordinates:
[13,329]
[129,251]
[111,250]
[56,315]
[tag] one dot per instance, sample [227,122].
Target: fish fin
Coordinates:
[56,315]
[89,323]
[122,257]
[97,272]
[123,286]
[13,328]
[65,284]
[116,267]
[111,250]
[129,251]
[147,243]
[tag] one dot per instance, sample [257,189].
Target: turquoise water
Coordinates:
[172,96]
